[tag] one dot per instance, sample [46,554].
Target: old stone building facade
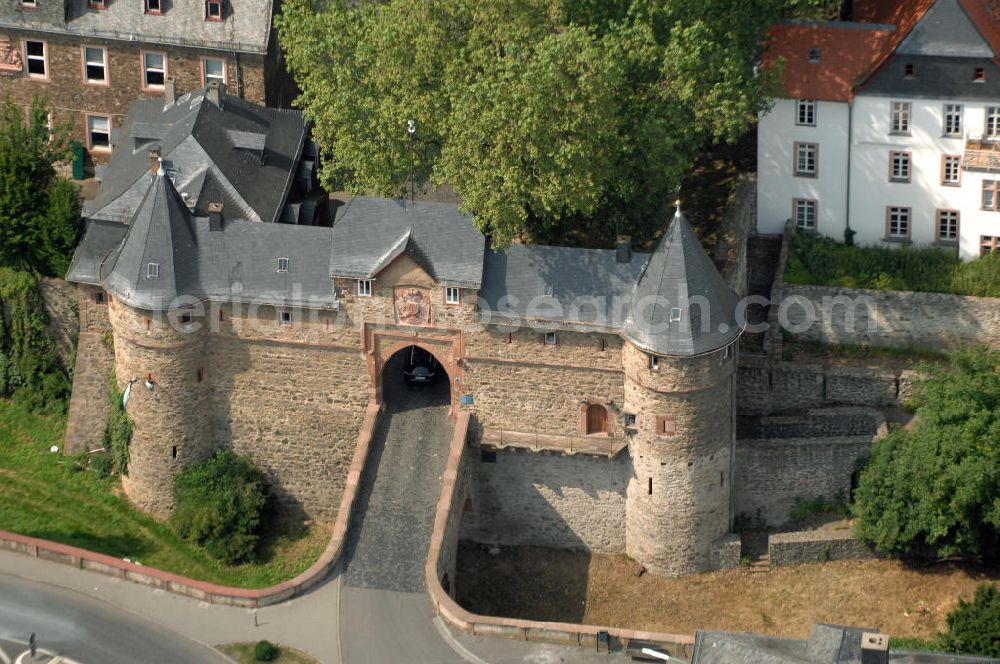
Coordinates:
[271,339]
[90,60]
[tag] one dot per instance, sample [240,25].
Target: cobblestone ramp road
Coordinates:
[386,616]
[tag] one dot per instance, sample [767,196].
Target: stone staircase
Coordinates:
[88,406]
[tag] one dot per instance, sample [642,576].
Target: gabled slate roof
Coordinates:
[945,30]
[587,286]
[368,233]
[246,24]
[238,262]
[99,240]
[212,152]
[680,275]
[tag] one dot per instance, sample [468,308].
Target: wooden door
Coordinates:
[597,419]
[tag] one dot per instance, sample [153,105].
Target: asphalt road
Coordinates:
[88,630]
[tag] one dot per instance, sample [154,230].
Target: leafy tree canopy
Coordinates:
[39,211]
[939,483]
[974,627]
[542,114]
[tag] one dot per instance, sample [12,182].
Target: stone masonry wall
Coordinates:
[765,388]
[892,319]
[738,222]
[296,410]
[95,360]
[550,500]
[772,473]
[71,98]
[813,546]
[60,298]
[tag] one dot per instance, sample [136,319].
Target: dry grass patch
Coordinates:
[544,584]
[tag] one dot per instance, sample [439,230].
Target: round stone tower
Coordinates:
[159,344]
[679,361]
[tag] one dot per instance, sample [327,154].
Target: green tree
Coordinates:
[542,114]
[218,506]
[974,627]
[939,483]
[39,211]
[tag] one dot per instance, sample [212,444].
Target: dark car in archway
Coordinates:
[419,366]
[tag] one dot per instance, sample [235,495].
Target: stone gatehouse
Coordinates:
[272,338]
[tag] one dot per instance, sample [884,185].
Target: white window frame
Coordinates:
[899,117]
[146,70]
[805,112]
[43,58]
[676,313]
[806,160]
[285,317]
[282,265]
[152,270]
[654,363]
[991,188]
[991,126]
[91,145]
[899,221]
[900,166]
[550,339]
[956,163]
[365,287]
[952,125]
[208,15]
[949,219]
[452,295]
[805,210]
[205,78]
[150,10]
[103,64]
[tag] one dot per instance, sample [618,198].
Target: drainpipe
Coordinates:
[850,140]
[239,75]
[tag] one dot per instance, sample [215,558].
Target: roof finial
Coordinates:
[677,204]
[159,164]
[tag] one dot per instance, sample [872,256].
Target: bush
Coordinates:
[973,627]
[10,377]
[937,484]
[118,429]
[265,651]
[102,464]
[825,262]
[218,505]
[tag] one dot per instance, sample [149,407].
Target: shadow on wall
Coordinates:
[533,583]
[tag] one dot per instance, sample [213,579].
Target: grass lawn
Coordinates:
[545,584]
[46,495]
[243,653]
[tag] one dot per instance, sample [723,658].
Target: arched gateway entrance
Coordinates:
[413,377]
[391,353]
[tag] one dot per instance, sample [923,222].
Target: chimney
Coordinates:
[623,249]
[154,161]
[169,91]
[215,216]
[213,92]
[874,648]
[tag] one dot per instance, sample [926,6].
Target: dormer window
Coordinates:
[550,339]
[282,265]
[97,4]
[979,74]
[814,56]
[547,290]
[654,363]
[364,287]
[908,70]
[154,6]
[213,10]
[675,315]
[27,3]
[152,270]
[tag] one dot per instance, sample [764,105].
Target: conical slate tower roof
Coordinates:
[157,260]
[681,304]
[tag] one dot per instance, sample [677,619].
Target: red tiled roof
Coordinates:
[847,55]
[985,15]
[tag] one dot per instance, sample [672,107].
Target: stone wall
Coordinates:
[550,500]
[738,222]
[60,298]
[727,551]
[892,319]
[295,410]
[772,473]
[766,388]
[813,546]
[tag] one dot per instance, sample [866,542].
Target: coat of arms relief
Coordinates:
[10,56]
[412,305]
